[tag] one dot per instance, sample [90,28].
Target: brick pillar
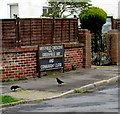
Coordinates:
[115,46]
[84,36]
[118,47]
[0,46]
[1,34]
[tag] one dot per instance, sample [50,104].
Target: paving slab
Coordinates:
[32,94]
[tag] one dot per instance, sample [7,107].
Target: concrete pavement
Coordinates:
[46,87]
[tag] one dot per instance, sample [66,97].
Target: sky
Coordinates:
[109,6]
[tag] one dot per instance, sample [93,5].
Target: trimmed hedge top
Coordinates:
[93,16]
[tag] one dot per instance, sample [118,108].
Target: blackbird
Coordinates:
[15,87]
[59,81]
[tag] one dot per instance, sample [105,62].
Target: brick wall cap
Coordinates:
[18,50]
[113,30]
[73,45]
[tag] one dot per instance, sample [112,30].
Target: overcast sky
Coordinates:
[110,6]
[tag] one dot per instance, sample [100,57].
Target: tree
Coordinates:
[93,18]
[57,8]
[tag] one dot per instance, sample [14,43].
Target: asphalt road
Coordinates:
[104,99]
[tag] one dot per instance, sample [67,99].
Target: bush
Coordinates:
[93,18]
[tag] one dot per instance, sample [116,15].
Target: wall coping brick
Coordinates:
[73,45]
[18,50]
[113,31]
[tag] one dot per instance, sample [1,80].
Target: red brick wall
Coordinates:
[73,56]
[18,63]
[22,62]
[115,45]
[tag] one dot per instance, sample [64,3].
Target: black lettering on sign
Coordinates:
[51,51]
[50,64]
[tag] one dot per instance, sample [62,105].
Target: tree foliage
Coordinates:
[93,18]
[57,8]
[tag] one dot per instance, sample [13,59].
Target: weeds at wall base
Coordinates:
[12,80]
[73,67]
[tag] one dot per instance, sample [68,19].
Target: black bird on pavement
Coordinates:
[59,81]
[15,87]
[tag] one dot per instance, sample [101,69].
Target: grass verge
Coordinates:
[4,99]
